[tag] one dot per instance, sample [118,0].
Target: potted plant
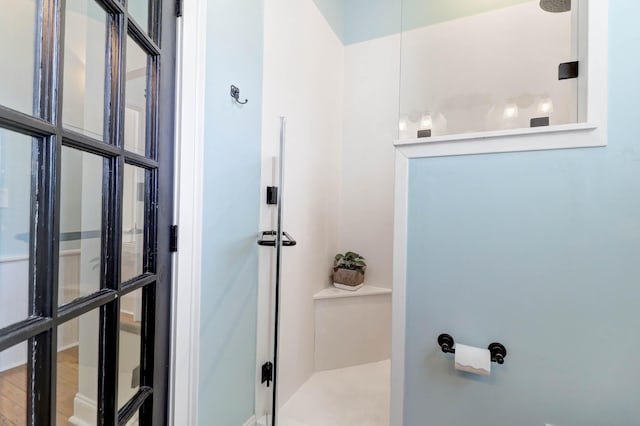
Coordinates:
[348,271]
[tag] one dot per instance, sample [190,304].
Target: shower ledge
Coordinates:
[336,293]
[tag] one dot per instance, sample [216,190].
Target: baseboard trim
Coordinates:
[250,422]
[84,411]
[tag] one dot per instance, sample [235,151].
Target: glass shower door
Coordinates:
[277,239]
[488,67]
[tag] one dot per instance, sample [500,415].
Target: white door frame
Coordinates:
[187,268]
[187,280]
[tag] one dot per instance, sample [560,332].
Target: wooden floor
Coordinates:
[13,395]
[13,384]
[13,398]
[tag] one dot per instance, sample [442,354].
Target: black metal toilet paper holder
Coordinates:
[497,350]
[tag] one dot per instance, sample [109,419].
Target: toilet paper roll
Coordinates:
[473,360]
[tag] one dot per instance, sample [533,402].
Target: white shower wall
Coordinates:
[342,105]
[372,72]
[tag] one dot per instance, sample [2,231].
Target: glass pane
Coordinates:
[134,420]
[139,10]
[133,222]
[13,386]
[17,54]
[80,224]
[129,360]
[135,119]
[84,67]
[15,222]
[485,66]
[77,380]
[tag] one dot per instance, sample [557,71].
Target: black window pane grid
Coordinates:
[49,136]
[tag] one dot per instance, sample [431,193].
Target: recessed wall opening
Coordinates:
[439,79]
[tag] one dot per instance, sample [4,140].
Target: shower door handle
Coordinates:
[267,238]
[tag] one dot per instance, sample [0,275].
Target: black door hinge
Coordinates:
[267,373]
[272,195]
[173,238]
[178,8]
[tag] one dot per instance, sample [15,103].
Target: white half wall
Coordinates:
[304,81]
[352,331]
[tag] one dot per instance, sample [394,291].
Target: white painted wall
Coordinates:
[16,58]
[304,81]
[13,272]
[372,72]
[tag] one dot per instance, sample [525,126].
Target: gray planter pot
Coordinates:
[348,277]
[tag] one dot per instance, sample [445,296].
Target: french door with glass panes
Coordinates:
[86,157]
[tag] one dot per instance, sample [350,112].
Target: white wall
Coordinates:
[372,72]
[15,271]
[304,81]
[16,58]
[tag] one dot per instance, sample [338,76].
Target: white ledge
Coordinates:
[336,293]
[25,257]
[497,134]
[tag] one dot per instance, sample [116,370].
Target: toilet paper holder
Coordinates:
[497,350]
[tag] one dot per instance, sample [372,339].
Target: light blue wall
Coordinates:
[539,251]
[369,19]
[231,212]
[356,21]
[420,13]
[333,11]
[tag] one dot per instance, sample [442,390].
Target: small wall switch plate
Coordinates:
[540,122]
[4,198]
[424,133]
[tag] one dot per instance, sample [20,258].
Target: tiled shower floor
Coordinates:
[353,396]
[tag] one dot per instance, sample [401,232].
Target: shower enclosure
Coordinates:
[416,72]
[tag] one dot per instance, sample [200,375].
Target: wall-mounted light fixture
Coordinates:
[545,106]
[402,124]
[511,111]
[426,124]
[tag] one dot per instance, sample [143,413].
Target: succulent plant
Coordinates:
[349,260]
